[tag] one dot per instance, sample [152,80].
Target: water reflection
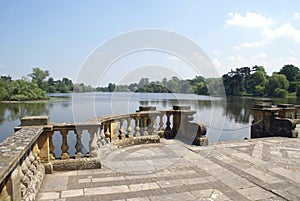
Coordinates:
[225,120]
[14,111]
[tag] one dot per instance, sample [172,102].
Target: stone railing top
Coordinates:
[285,105]
[13,148]
[34,120]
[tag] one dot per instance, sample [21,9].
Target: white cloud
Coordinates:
[260,43]
[260,56]
[235,58]
[297,16]
[285,31]
[268,35]
[271,64]
[174,58]
[217,63]
[249,20]
[291,51]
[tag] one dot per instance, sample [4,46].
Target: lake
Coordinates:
[226,119]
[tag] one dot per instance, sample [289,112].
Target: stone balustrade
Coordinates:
[21,167]
[275,121]
[33,150]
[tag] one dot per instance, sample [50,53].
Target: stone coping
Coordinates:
[13,148]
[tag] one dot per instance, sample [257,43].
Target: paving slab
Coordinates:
[257,169]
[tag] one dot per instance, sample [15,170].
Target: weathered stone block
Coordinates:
[76,164]
[147,108]
[181,107]
[34,120]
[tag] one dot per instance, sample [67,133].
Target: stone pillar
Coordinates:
[44,145]
[114,131]
[182,115]
[13,185]
[44,141]
[287,111]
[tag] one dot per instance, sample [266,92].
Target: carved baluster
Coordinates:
[51,146]
[161,122]
[145,123]
[168,123]
[31,160]
[36,153]
[122,134]
[93,141]
[64,147]
[102,135]
[137,126]
[29,172]
[153,125]
[129,129]
[24,179]
[107,133]
[78,146]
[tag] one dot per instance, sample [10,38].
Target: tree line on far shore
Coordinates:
[244,81]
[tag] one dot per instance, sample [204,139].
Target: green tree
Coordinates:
[38,76]
[256,83]
[111,87]
[290,71]
[279,83]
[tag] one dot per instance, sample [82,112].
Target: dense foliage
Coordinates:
[36,88]
[242,81]
[254,81]
[19,90]
[173,85]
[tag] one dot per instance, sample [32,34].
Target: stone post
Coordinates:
[114,131]
[182,115]
[44,143]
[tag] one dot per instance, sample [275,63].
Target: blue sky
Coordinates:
[59,35]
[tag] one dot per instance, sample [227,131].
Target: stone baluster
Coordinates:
[25,180]
[78,146]
[29,172]
[145,124]
[107,132]
[137,126]
[64,146]
[102,135]
[51,146]
[161,122]
[153,125]
[122,133]
[36,151]
[93,141]
[129,129]
[168,123]
[32,166]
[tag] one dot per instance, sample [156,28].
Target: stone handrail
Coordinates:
[21,170]
[29,153]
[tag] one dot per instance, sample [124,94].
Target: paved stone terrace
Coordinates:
[260,169]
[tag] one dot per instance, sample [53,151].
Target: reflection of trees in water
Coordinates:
[167,104]
[238,109]
[14,111]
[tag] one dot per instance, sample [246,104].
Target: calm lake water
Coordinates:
[226,119]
